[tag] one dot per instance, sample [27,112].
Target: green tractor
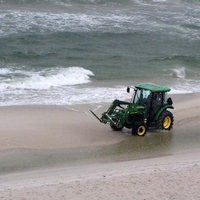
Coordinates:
[148,109]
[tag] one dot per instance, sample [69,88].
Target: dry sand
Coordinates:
[37,143]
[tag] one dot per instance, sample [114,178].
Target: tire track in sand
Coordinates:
[187,115]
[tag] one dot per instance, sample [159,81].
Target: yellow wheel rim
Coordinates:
[141,130]
[167,122]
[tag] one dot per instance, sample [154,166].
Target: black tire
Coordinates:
[165,121]
[139,129]
[115,128]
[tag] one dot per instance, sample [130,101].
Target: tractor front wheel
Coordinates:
[139,129]
[165,120]
[115,128]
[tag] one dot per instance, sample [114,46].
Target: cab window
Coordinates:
[142,96]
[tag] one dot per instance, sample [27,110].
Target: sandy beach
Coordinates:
[63,152]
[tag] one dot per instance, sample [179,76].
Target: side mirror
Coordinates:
[128,89]
[169,101]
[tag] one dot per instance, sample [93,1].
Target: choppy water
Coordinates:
[88,51]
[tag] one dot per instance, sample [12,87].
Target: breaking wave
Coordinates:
[25,79]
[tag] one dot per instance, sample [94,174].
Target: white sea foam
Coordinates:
[179,72]
[70,86]
[51,90]
[4,71]
[16,22]
[70,95]
[73,95]
[46,79]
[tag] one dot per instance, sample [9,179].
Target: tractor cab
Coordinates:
[153,97]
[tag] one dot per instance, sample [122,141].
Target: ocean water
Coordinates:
[67,52]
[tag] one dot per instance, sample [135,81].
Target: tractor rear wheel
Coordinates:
[115,128]
[139,129]
[165,120]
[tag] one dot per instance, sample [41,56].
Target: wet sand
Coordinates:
[59,152]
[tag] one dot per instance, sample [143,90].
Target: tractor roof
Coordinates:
[152,87]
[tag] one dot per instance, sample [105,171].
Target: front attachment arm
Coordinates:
[115,113]
[96,116]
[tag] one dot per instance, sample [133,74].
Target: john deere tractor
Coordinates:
[148,109]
